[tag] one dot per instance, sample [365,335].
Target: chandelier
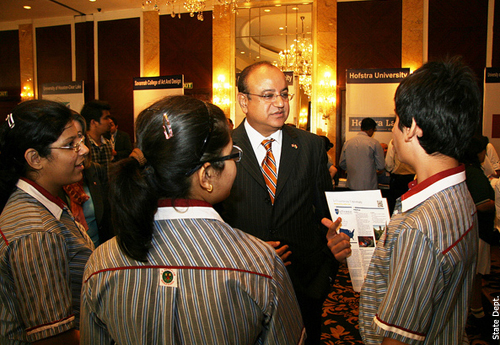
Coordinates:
[192,6]
[299,60]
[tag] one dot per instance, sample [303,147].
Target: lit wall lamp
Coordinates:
[222,94]
[327,99]
[27,90]
[303,118]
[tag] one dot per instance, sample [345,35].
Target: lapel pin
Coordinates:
[294,146]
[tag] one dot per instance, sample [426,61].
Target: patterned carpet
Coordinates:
[340,310]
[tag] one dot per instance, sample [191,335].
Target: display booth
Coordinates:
[491,106]
[370,93]
[151,89]
[68,93]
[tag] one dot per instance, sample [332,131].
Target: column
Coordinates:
[151,45]
[412,45]
[223,66]
[27,64]
[324,109]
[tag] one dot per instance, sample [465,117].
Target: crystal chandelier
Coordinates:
[192,6]
[299,60]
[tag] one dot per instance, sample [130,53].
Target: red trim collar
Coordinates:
[416,187]
[55,199]
[182,203]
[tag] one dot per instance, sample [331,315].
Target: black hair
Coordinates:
[328,143]
[476,145]
[115,121]
[368,123]
[242,79]
[135,190]
[36,124]
[93,110]
[443,97]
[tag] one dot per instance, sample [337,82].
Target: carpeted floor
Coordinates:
[340,310]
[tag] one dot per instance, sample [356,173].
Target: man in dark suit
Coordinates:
[120,141]
[288,216]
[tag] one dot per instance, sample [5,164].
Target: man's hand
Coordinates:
[337,242]
[282,251]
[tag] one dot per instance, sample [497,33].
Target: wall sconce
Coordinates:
[222,94]
[327,99]
[27,91]
[303,118]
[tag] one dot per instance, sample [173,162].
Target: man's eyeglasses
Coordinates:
[235,155]
[271,97]
[75,147]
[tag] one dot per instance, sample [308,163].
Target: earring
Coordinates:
[210,189]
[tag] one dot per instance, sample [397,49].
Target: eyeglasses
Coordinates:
[75,147]
[271,97]
[235,155]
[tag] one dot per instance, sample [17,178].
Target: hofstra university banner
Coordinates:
[148,90]
[491,106]
[370,93]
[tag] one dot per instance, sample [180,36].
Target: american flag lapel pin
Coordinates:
[294,146]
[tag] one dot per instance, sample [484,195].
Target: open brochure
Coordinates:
[365,216]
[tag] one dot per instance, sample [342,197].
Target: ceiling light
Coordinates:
[277,5]
[295,8]
[92,0]
[267,10]
[281,28]
[27,7]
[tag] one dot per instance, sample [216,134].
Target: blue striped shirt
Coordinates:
[43,252]
[420,277]
[204,283]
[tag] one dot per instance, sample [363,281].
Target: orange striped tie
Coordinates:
[269,169]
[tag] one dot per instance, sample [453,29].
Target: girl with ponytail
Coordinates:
[176,273]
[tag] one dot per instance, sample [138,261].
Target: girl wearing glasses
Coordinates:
[88,198]
[42,250]
[176,273]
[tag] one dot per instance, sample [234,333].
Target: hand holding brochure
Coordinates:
[365,216]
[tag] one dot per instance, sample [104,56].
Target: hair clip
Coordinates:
[167,129]
[10,121]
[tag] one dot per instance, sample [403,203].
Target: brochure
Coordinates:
[365,216]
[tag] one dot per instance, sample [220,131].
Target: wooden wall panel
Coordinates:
[368,35]
[119,63]
[186,48]
[10,71]
[53,54]
[459,28]
[84,52]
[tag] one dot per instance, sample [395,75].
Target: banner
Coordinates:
[491,106]
[148,90]
[370,93]
[68,93]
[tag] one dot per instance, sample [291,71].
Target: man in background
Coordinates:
[363,158]
[120,141]
[97,116]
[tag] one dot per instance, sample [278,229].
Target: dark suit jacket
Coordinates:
[300,203]
[123,145]
[95,177]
